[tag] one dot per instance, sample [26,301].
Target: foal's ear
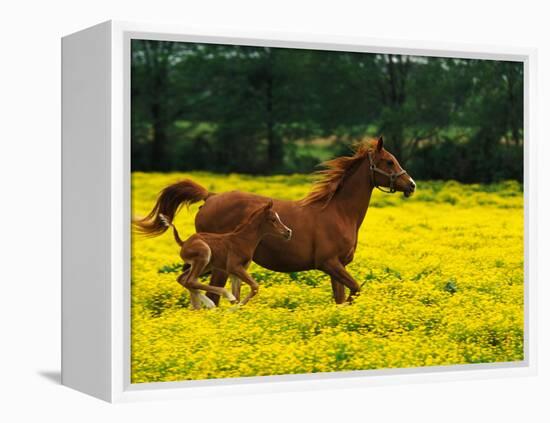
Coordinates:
[380,144]
[269,205]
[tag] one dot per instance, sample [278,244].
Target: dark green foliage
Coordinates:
[157,303]
[450,286]
[171,268]
[265,110]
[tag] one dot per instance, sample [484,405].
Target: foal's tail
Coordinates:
[168,203]
[167,224]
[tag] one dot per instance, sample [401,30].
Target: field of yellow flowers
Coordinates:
[446,288]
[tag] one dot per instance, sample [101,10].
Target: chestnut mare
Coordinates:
[325,223]
[230,253]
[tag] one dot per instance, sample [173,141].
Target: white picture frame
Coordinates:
[96,213]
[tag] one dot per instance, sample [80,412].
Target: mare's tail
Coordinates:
[167,224]
[168,203]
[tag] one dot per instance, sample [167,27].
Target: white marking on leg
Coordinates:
[195,299]
[229,296]
[208,303]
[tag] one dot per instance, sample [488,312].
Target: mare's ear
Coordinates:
[380,144]
[269,205]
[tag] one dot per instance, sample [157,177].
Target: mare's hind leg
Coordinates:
[338,272]
[218,279]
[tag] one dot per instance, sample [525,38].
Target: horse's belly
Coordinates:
[281,258]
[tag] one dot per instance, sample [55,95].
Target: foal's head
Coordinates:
[270,222]
[387,172]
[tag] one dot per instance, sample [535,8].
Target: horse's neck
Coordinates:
[352,198]
[249,236]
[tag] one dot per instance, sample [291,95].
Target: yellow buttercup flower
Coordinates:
[441,275]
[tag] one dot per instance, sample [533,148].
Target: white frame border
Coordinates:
[121,389]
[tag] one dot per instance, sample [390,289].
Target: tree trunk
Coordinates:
[274,144]
[512,107]
[397,70]
[395,138]
[158,161]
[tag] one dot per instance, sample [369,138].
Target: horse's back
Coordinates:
[221,213]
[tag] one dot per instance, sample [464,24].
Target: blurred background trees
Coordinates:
[264,110]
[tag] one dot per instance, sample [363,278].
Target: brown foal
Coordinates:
[230,253]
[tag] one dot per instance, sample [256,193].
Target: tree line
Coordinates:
[264,110]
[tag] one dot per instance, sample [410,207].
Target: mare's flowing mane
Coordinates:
[335,172]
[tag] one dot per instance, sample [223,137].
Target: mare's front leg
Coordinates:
[338,290]
[243,275]
[338,272]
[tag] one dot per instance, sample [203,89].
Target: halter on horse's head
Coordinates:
[397,177]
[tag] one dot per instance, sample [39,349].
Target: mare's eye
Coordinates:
[390,163]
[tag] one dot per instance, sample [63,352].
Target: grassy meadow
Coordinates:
[441,275]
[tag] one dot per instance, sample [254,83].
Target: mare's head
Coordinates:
[386,171]
[378,167]
[272,224]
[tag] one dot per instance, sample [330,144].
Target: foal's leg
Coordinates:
[195,284]
[338,272]
[236,287]
[192,282]
[181,278]
[243,275]
[198,298]
[207,302]
[194,296]
[218,279]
